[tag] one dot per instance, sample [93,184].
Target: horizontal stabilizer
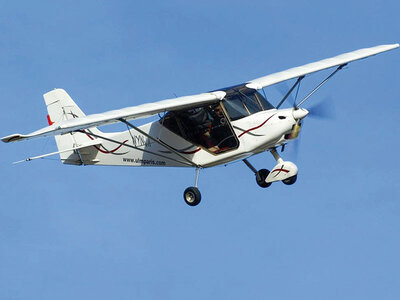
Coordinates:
[91,143]
[19,137]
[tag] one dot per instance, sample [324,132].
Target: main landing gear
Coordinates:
[284,171]
[192,194]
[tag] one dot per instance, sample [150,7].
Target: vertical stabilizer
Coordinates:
[61,107]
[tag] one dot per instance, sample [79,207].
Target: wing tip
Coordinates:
[389,46]
[12,138]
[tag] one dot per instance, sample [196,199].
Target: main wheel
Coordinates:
[261,175]
[290,180]
[192,196]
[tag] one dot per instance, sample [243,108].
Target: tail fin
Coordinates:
[61,107]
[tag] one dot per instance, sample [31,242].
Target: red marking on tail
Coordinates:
[49,120]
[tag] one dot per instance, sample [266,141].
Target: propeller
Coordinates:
[321,110]
[324,109]
[294,148]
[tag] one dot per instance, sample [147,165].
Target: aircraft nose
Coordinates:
[300,113]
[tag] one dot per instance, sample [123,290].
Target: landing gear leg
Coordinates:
[192,194]
[275,154]
[261,175]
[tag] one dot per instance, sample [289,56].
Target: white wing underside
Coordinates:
[147,110]
[345,58]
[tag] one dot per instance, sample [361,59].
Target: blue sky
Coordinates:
[126,233]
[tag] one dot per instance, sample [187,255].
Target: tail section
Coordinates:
[90,146]
[61,107]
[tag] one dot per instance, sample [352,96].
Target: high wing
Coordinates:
[342,59]
[149,109]
[114,116]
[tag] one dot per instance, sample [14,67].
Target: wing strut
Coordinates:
[158,141]
[321,84]
[136,148]
[290,91]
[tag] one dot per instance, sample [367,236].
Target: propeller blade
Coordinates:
[322,110]
[293,147]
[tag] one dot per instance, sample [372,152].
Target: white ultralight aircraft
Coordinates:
[197,131]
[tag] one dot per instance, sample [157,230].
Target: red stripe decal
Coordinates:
[262,124]
[105,151]
[89,136]
[281,170]
[111,151]
[49,120]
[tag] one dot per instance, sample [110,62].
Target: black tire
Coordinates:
[192,196]
[290,180]
[261,175]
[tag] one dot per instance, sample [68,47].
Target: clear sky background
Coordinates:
[70,232]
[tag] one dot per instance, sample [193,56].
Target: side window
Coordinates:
[235,107]
[206,126]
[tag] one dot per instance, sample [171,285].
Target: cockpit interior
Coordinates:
[209,126]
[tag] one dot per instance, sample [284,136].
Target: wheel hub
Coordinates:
[189,197]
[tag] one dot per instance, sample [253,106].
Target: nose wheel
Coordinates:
[290,180]
[284,171]
[261,175]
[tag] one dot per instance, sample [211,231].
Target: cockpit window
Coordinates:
[251,102]
[235,107]
[240,103]
[206,126]
[266,105]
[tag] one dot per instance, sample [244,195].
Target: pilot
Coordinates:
[217,136]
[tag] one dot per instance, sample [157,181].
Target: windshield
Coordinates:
[240,103]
